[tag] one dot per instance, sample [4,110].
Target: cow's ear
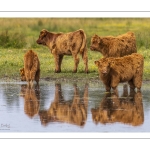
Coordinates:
[97,63]
[99,40]
[44,32]
[21,69]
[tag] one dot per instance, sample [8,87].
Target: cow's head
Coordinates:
[42,37]
[95,43]
[45,117]
[104,65]
[100,115]
[22,74]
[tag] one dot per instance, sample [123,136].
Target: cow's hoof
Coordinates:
[57,71]
[86,71]
[74,71]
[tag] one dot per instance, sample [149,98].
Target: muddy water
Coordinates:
[73,107]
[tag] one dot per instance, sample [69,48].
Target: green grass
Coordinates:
[17,35]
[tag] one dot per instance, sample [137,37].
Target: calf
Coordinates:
[110,46]
[61,44]
[31,70]
[114,70]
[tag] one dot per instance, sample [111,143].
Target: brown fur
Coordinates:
[110,46]
[114,70]
[31,100]
[31,70]
[73,112]
[61,44]
[127,109]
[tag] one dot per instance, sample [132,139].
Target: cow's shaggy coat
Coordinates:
[60,44]
[110,46]
[114,70]
[31,70]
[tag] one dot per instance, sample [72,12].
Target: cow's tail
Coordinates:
[83,51]
[83,46]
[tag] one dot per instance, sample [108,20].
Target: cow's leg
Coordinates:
[60,61]
[57,63]
[85,96]
[27,75]
[114,83]
[108,88]
[107,85]
[31,83]
[138,82]
[76,62]
[132,86]
[85,60]
[37,77]
[32,77]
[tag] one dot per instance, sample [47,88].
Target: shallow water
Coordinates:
[73,107]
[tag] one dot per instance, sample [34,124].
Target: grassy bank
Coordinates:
[17,35]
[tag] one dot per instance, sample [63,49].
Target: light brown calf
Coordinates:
[110,46]
[31,70]
[114,70]
[60,44]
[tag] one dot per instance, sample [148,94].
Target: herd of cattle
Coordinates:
[120,62]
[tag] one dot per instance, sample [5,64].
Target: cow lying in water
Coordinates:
[114,70]
[31,70]
[110,46]
[60,44]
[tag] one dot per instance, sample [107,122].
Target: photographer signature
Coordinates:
[4,126]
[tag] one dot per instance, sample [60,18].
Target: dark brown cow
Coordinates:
[110,46]
[61,44]
[31,70]
[127,109]
[114,70]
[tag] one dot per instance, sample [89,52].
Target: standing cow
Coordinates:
[110,46]
[31,70]
[61,44]
[114,70]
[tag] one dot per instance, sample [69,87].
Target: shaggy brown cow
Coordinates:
[31,100]
[73,112]
[127,109]
[114,70]
[31,70]
[61,44]
[110,46]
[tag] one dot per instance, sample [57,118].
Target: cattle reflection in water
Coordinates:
[73,112]
[31,100]
[127,109]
